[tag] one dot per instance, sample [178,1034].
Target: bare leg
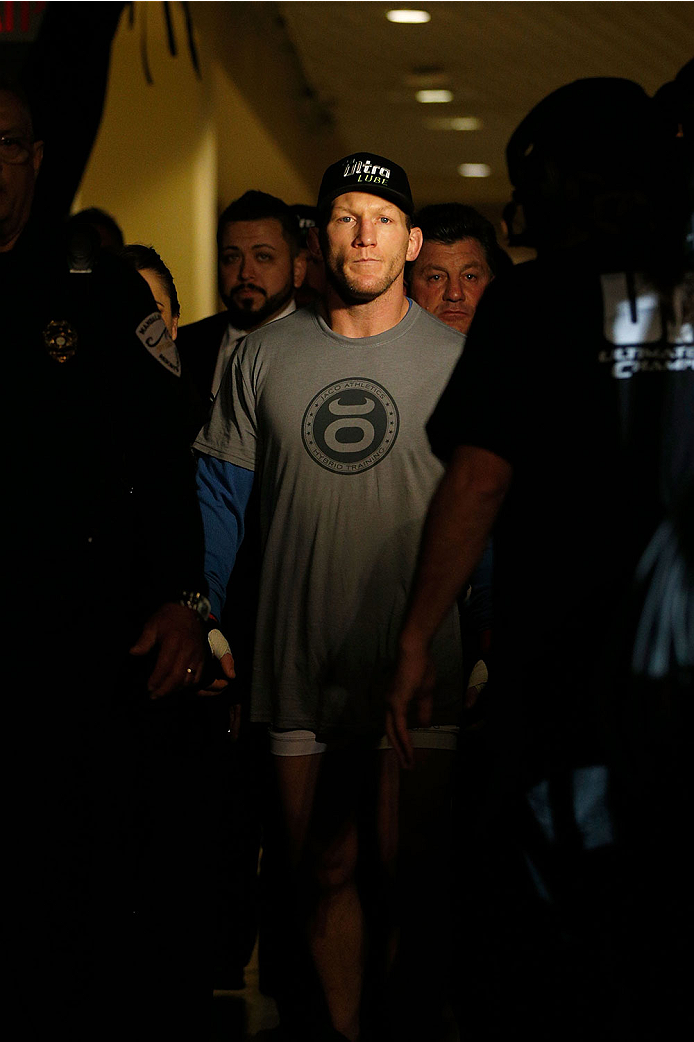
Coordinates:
[388,833]
[318,795]
[336,932]
[297,777]
[414,826]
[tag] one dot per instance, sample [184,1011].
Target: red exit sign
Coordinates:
[20,20]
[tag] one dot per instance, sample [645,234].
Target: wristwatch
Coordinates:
[197,602]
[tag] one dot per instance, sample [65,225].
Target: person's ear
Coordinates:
[415,244]
[174,327]
[37,156]
[300,263]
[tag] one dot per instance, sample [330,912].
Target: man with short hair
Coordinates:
[260,264]
[459,258]
[328,408]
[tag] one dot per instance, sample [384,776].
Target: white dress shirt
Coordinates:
[231,339]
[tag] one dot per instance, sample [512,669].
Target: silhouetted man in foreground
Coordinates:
[568,427]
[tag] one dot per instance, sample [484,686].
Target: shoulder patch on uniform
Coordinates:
[155,336]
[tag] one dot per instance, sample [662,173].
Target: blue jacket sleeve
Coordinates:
[223,492]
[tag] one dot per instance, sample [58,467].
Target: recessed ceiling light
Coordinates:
[408,16]
[474,170]
[454,123]
[433,97]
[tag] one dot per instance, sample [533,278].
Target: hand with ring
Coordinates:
[176,634]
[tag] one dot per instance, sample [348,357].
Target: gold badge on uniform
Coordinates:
[60,339]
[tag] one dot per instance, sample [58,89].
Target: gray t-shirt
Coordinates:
[334,428]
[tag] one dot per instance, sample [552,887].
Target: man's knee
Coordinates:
[335,866]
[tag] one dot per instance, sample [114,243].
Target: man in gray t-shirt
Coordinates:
[333,427]
[327,408]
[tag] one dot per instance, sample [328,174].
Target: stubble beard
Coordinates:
[352,291]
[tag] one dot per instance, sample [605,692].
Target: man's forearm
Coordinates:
[460,518]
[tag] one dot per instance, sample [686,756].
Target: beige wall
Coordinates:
[170,155]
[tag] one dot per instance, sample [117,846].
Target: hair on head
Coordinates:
[96,217]
[448,223]
[146,258]
[254,205]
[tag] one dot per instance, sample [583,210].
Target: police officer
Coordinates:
[109,631]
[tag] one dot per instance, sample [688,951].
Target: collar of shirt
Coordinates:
[230,341]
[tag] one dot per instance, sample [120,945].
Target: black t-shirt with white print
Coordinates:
[584,382]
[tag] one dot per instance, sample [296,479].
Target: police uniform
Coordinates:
[108,782]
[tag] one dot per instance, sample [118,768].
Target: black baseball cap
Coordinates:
[367,172]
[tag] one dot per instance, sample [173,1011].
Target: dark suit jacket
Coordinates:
[198,344]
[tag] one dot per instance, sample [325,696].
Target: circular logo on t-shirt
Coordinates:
[350,426]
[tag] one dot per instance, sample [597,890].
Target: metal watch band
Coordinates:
[197,602]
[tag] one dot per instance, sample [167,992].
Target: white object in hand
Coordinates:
[219,645]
